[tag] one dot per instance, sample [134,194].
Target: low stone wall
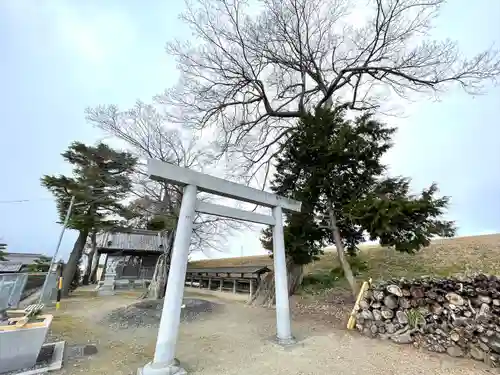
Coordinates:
[460,316]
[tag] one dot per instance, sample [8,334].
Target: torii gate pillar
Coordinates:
[164,362]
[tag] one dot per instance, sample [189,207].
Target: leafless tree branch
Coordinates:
[147,132]
[249,71]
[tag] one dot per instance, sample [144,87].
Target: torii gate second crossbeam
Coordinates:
[164,361]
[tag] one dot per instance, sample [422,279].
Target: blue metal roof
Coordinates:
[6,266]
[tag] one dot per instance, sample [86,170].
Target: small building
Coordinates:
[131,255]
[245,279]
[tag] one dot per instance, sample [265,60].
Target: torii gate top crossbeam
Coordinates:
[162,171]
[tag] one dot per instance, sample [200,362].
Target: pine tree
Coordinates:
[3,254]
[101,179]
[303,242]
[41,264]
[334,167]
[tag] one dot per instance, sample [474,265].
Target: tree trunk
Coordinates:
[265,295]
[346,267]
[158,284]
[156,289]
[90,258]
[95,267]
[70,268]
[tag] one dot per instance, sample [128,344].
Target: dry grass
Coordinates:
[442,258]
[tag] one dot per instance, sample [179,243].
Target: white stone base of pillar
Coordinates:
[285,342]
[108,286]
[162,369]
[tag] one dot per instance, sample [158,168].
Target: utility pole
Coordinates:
[65,224]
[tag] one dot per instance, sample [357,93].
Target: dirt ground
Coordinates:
[236,339]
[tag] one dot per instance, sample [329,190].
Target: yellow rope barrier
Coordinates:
[352,320]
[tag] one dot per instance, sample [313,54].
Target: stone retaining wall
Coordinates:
[460,316]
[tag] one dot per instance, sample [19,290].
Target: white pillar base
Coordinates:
[162,369]
[285,342]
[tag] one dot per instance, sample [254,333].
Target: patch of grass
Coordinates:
[67,326]
[442,258]
[324,279]
[415,318]
[320,280]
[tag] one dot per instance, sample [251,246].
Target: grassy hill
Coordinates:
[443,258]
[256,260]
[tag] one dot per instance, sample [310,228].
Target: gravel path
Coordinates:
[235,340]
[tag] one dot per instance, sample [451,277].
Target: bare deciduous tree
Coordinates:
[249,70]
[145,130]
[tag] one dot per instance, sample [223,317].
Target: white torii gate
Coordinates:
[164,361]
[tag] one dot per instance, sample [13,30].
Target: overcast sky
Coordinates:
[58,57]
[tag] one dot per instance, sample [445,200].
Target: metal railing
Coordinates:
[11,289]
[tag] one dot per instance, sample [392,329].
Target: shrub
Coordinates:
[334,277]
[75,283]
